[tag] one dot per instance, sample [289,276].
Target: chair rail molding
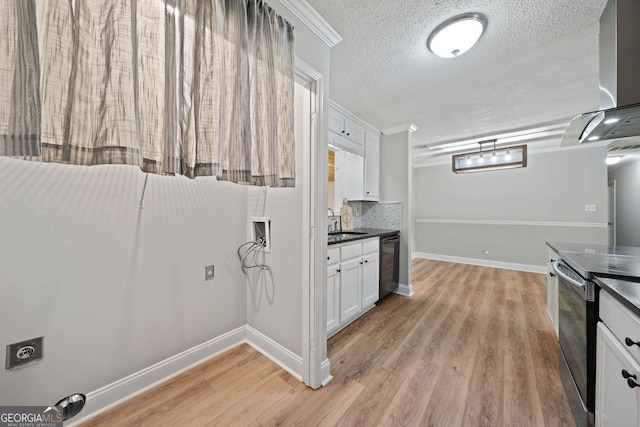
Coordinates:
[507,222]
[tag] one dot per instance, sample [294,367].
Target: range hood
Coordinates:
[618,120]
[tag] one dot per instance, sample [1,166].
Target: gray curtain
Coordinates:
[192,87]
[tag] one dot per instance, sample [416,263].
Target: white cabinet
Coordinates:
[552,290]
[357,158]
[333,289]
[352,283]
[617,365]
[370,281]
[357,177]
[345,133]
[372,166]
[616,402]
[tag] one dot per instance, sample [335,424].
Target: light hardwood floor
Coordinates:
[473,347]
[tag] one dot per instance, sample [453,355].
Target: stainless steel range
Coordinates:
[578,315]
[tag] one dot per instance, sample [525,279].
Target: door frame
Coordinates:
[314,337]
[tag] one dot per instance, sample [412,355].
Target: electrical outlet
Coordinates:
[261,232]
[209,271]
[485,253]
[24,353]
[589,208]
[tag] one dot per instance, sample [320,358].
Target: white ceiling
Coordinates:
[536,64]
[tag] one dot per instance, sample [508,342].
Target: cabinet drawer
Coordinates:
[621,322]
[352,250]
[333,256]
[369,246]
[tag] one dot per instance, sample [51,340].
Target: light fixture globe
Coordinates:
[457,35]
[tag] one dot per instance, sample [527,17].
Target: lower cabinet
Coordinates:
[370,279]
[333,296]
[616,401]
[352,282]
[617,365]
[552,290]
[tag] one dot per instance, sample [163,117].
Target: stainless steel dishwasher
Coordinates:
[389,264]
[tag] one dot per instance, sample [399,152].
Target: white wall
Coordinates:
[115,289]
[554,187]
[395,186]
[627,177]
[274,300]
[111,287]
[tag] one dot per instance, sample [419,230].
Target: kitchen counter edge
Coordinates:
[370,232]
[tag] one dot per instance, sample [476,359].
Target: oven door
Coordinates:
[576,305]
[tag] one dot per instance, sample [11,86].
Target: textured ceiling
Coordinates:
[536,63]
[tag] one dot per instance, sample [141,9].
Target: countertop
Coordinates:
[602,260]
[614,268]
[366,234]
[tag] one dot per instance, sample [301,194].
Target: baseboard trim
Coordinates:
[280,355]
[111,395]
[325,372]
[405,290]
[483,263]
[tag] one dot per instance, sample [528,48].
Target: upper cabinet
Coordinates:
[345,133]
[357,157]
[372,166]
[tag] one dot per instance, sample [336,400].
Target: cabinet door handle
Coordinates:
[338,271]
[348,134]
[361,263]
[626,375]
[629,342]
[630,379]
[551,274]
[342,131]
[366,260]
[552,260]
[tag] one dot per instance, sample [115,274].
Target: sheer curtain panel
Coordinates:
[188,87]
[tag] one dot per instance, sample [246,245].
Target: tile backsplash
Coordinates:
[376,215]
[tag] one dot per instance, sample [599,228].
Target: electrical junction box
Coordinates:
[261,231]
[24,353]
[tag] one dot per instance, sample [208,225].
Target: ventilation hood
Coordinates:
[618,120]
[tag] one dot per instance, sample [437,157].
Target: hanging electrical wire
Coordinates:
[255,248]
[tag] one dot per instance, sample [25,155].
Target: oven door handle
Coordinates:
[557,268]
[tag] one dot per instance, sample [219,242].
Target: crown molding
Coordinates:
[309,17]
[333,104]
[409,127]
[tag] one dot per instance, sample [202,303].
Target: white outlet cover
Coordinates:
[589,208]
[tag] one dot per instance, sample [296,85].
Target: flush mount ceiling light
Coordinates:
[457,35]
[491,159]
